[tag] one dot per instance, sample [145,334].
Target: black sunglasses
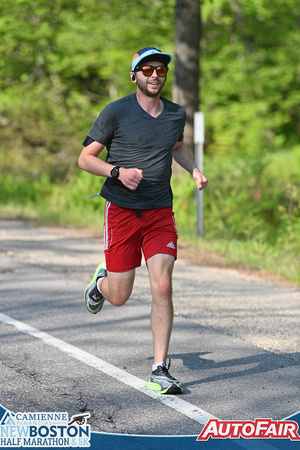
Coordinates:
[147,71]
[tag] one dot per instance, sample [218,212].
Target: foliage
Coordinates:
[248,217]
[62,61]
[64,203]
[250,75]
[244,199]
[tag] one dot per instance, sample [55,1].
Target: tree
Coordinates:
[250,76]
[61,63]
[187,56]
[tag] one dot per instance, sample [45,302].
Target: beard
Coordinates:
[143,87]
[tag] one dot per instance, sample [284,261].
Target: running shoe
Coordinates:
[163,382]
[92,297]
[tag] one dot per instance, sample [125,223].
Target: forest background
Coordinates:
[62,62]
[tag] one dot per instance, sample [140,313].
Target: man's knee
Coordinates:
[162,287]
[119,299]
[119,287]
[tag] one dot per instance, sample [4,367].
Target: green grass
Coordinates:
[283,263]
[234,228]
[253,254]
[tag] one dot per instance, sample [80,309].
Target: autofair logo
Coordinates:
[44,429]
[258,429]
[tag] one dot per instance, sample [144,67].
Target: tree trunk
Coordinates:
[187,56]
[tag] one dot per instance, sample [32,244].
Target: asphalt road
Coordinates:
[235,344]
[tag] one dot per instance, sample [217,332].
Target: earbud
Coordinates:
[133,77]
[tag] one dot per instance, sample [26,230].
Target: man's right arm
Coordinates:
[89,161]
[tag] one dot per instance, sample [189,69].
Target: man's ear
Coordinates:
[132,74]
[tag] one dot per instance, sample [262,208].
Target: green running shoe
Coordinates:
[163,382]
[92,297]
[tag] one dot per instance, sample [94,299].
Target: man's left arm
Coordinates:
[183,157]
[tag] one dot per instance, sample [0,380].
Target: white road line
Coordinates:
[177,403]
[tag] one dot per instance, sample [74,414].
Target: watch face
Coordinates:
[115,172]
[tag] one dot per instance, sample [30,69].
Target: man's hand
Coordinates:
[131,178]
[200,180]
[183,157]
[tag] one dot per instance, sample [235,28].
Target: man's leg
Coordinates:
[160,268]
[116,287]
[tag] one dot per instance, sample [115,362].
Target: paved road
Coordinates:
[235,343]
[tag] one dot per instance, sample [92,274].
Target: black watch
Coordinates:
[115,172]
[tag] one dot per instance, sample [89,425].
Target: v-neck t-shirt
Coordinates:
[135,139]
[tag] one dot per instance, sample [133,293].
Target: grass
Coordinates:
[67,204]
[253,255]
[250,254]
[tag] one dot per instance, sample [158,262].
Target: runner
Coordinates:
[142,132]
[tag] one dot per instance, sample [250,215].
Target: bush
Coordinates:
[251,207]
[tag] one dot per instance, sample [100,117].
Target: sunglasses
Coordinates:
[147,71]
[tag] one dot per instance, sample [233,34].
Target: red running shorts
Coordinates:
[129,232]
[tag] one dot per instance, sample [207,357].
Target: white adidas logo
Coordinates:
[170,245]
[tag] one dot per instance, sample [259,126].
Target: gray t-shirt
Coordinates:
[133,138]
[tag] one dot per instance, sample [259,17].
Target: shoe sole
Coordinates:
[100,266]
[98,306]
[173,389]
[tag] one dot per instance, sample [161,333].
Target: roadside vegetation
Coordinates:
[249,218]
[58,70]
